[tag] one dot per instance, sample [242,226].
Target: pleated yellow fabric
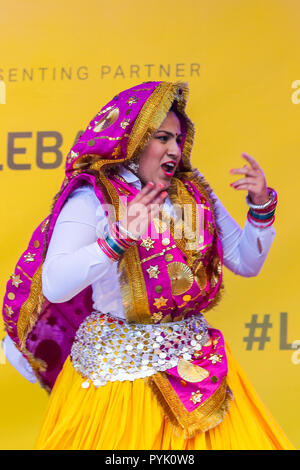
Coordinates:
[126,415]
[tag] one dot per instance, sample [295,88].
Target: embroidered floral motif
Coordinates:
[214,358]
[8,310]
[133,99]
[16,280]
[29,257]
[160,302]
[117,151]
[196,397]
[153,272]
[157,316]
[72,156]
[125,123]
[147,243]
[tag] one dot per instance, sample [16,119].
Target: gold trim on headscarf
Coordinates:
[154,112]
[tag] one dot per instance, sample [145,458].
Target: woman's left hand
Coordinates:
[254,181]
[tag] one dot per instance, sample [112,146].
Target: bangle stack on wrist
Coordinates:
[129,235]
[114,244]
[263,215]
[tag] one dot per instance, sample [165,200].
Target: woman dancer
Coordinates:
[107,303]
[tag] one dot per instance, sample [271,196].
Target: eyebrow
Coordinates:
[169,133]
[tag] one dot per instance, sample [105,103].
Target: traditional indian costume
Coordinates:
[124,347]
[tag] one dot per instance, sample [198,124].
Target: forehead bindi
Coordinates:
[172,134]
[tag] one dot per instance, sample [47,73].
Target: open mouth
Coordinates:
[168,168]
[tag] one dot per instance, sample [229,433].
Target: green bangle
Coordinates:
[267,216]
[113,245]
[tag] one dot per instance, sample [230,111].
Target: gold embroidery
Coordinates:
[204,417]
[132,100]
[147,243]
[105,110]
[215,270]
[103,137]
[157,316]
[196,397]
[153,272]
[16,280]
[72,156]
[214,358]
[8,310]
[187,298]
[160,302]
[200,275]
[181,277]
[25,274]
[166,319]
[29,257]
[125,123]
[191,372]
[117,152]
[210,228]
[158,254]
[28,311]
[108,120]
[144,89]
[152,115]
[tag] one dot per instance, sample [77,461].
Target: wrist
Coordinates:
[267,205]
[262,215]
[113,243]
[259,200]
[124,233]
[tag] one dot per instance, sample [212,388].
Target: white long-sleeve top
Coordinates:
[82,220]
[74,259]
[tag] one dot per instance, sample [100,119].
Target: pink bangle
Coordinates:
[107,250]
[260,226]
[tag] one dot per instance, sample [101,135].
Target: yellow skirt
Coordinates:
[127,416]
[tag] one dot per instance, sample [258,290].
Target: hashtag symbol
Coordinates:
[263,338]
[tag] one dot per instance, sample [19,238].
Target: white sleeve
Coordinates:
[245,251]
[74,259]
[17,360]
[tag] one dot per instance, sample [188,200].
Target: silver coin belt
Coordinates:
[107,349]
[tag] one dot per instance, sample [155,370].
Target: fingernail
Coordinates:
[151,184]
[160,185]
[165,193]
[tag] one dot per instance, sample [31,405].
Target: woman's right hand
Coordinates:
[143,208]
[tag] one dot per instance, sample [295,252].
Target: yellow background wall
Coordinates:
[245,56]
